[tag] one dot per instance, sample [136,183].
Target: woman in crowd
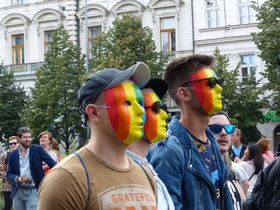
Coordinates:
[265,145]
[45,139]
[252,162]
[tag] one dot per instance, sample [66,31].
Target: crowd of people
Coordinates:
[135,160]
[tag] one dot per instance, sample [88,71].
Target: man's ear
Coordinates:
[184,94]
[92,112]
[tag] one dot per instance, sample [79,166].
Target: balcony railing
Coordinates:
[24,68]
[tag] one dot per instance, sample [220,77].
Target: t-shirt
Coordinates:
[240,172]
[111,188]
[207,153]
[249,167]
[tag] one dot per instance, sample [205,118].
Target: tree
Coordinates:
[126,43]
[268,41]
[53,104]
[12,100]
[240,100]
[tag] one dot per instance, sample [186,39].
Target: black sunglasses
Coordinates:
[217,128]
[212,82]
[156,107]
[13,143]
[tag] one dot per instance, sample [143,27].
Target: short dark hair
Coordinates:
[22,130]
[221,113]
[179,70]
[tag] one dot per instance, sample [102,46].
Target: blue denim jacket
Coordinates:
[183,170]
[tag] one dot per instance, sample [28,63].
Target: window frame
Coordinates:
[92,39]
[251,67]
[20,48]
[169,34]
[18,2]
[46,42]
[217,12]
[250,15]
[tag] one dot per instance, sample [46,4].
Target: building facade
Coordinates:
[180,27]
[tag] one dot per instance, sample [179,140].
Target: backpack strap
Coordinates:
[252,175]
[153,186]
[87,175]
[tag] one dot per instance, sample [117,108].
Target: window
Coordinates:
[246,12]
[167,34]
[48,39]
[213,14]
[18,2]
[93,32]
[248,66]
[18,49]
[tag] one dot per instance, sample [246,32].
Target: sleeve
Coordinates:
[241,173]
[10,173]
[61,190]
[3,158]
[46,158]
[168,163]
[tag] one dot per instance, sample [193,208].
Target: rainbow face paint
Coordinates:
[209,98]
[155,124]
[126,112]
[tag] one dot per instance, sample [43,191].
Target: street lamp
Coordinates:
[86,24]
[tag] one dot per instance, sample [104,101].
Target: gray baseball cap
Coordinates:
[110,77]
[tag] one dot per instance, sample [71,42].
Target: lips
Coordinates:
[223,142]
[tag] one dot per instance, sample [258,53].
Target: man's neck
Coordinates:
[112,151]
[237,144]
[196,124]
[23,150]
[140,147]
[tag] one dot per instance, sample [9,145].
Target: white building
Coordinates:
[180,27]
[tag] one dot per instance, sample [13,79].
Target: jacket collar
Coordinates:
[195,160]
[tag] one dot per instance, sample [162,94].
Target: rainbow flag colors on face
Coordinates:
[155,124]
[209,98]
[126,112]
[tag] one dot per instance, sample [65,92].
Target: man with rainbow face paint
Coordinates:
[188,161]
[154,130]
[101,175]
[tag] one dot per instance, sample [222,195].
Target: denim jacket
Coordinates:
[183,170]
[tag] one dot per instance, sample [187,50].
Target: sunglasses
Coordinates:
[212,81]
[156,107]
[217,128]
[13,143]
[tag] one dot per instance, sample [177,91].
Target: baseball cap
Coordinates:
[159,86]
[110,77]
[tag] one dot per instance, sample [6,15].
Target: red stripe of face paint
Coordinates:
[203,92]
[119,117]
[151,123]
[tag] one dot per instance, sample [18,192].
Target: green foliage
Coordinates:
[12,100]
[54,105]
[126,43]
[268,41]
[240,100]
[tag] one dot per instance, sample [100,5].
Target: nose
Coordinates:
[163,115]
[223,132]
[139,109]
[218,88]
